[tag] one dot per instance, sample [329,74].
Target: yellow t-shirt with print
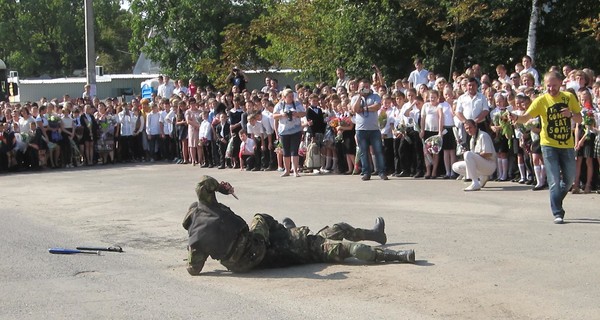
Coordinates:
[556,129]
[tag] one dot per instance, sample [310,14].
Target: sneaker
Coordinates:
[473,187]
[366,177]
[558,220]
[383,177]
[483,180]
[280,169]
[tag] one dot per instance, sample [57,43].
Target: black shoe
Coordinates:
[288,223]
[383,177]
[221,166]
[419,175]
[366,177]
[404,174]
[529,182]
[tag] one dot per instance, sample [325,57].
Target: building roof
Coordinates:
[99,79]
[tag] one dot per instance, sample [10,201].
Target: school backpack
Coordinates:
[313,156]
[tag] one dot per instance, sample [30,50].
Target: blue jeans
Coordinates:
[557,161]
[372,138]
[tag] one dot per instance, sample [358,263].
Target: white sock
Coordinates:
[499,168]
[538,175]
[542,175]
[522,172]
[505,169]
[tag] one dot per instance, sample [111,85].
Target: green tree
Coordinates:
[185,36]
[47,36]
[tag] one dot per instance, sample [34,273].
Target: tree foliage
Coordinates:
[180,34]
[204,39]
[48,37]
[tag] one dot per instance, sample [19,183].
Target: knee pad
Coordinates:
[362,252]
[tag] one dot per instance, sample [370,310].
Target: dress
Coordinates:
[193,132]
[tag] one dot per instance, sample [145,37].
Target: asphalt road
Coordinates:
[488,254]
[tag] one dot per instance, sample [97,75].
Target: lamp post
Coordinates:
[90,50]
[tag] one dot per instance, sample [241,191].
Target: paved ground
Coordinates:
[489,254]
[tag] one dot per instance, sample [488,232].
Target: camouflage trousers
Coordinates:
[269,244]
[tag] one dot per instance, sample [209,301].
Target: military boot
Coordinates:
[392,255]
[288,223]
[376,234]
[195,263]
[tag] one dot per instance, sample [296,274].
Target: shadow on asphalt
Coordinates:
[307,271]
[583,220]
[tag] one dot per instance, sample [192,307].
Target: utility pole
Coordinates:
[90,50]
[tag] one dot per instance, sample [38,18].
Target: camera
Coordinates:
[290,115]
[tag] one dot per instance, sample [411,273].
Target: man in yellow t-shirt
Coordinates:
[557,110]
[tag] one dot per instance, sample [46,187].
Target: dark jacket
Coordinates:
[213,229]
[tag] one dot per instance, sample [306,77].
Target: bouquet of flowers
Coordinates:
[433,144]
[278,147]
[382,119]
[333,122]
[54,122]
[589,121]
[402,128]
[588,117]
[507,128]
[343,122]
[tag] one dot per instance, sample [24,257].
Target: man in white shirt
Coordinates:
[418,76]
[480,162]
[342,78]
[165,90]
[472,105]
[528,68]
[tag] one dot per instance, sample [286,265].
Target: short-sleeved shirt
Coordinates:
[287,127]
[366,120]
[418,77]
[483,143]
[472,107]
[556,129]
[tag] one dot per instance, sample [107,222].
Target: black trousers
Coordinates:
[125,150]
[388,154]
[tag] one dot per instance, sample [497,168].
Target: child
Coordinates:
[205,141]
[246,151]
[256,131]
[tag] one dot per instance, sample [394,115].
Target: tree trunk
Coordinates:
[533,21]
[454,46]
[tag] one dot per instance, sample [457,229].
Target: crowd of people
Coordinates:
[419,127]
